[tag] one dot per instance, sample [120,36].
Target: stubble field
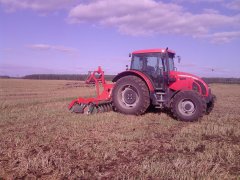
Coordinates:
[40,138]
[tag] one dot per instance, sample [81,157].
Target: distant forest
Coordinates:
[78,77]
[221,80]
[83,77]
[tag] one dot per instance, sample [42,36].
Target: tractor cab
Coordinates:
[154,63]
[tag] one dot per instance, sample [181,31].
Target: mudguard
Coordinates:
[143,76]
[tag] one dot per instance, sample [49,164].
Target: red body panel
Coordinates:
[184,81]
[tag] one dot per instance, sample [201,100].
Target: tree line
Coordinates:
[77,77]
[210,80]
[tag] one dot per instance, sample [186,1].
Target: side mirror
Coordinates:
[179,59]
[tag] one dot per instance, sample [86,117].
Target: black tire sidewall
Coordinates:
[192,96]
[120,84]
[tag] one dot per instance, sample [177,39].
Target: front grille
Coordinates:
[195,87]
[204,90]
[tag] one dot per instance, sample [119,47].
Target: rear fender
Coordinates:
[138,74]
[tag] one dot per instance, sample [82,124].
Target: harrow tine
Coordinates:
[107,107]
[100,109]
[86,109]
[91,108]
[104,108]
[78,108]
[94,111]
[110,107]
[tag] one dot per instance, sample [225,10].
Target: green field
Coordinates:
[40,138]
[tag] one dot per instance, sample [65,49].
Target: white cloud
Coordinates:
[225,37]
[222,37]
[235,5]
[198,1]
[52,47]
[230,4]
[38,5]
[147,17]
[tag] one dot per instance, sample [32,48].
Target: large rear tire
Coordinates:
[131,95]
[188,106]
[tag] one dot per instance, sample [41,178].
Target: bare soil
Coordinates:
[41,139]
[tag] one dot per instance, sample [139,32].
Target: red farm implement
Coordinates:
[101,103]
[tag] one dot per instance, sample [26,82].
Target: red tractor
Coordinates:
[152,80]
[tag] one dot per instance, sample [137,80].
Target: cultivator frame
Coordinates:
[101,103]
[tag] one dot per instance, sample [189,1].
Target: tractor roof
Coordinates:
[152,51]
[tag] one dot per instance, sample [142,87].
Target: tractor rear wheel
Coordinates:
[131,95]
[188,106]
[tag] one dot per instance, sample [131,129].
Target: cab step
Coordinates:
[160,99]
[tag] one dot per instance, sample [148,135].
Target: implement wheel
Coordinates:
[131,95]
[188,106]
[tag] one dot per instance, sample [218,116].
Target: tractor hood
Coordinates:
[182,75]
[185,80]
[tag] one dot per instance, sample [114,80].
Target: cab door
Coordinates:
[154,68]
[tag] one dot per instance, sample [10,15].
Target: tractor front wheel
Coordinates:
[188,106]
[131,95]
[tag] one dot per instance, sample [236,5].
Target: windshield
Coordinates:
[144,62]
[152,63]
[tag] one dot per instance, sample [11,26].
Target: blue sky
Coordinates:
[74,36]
